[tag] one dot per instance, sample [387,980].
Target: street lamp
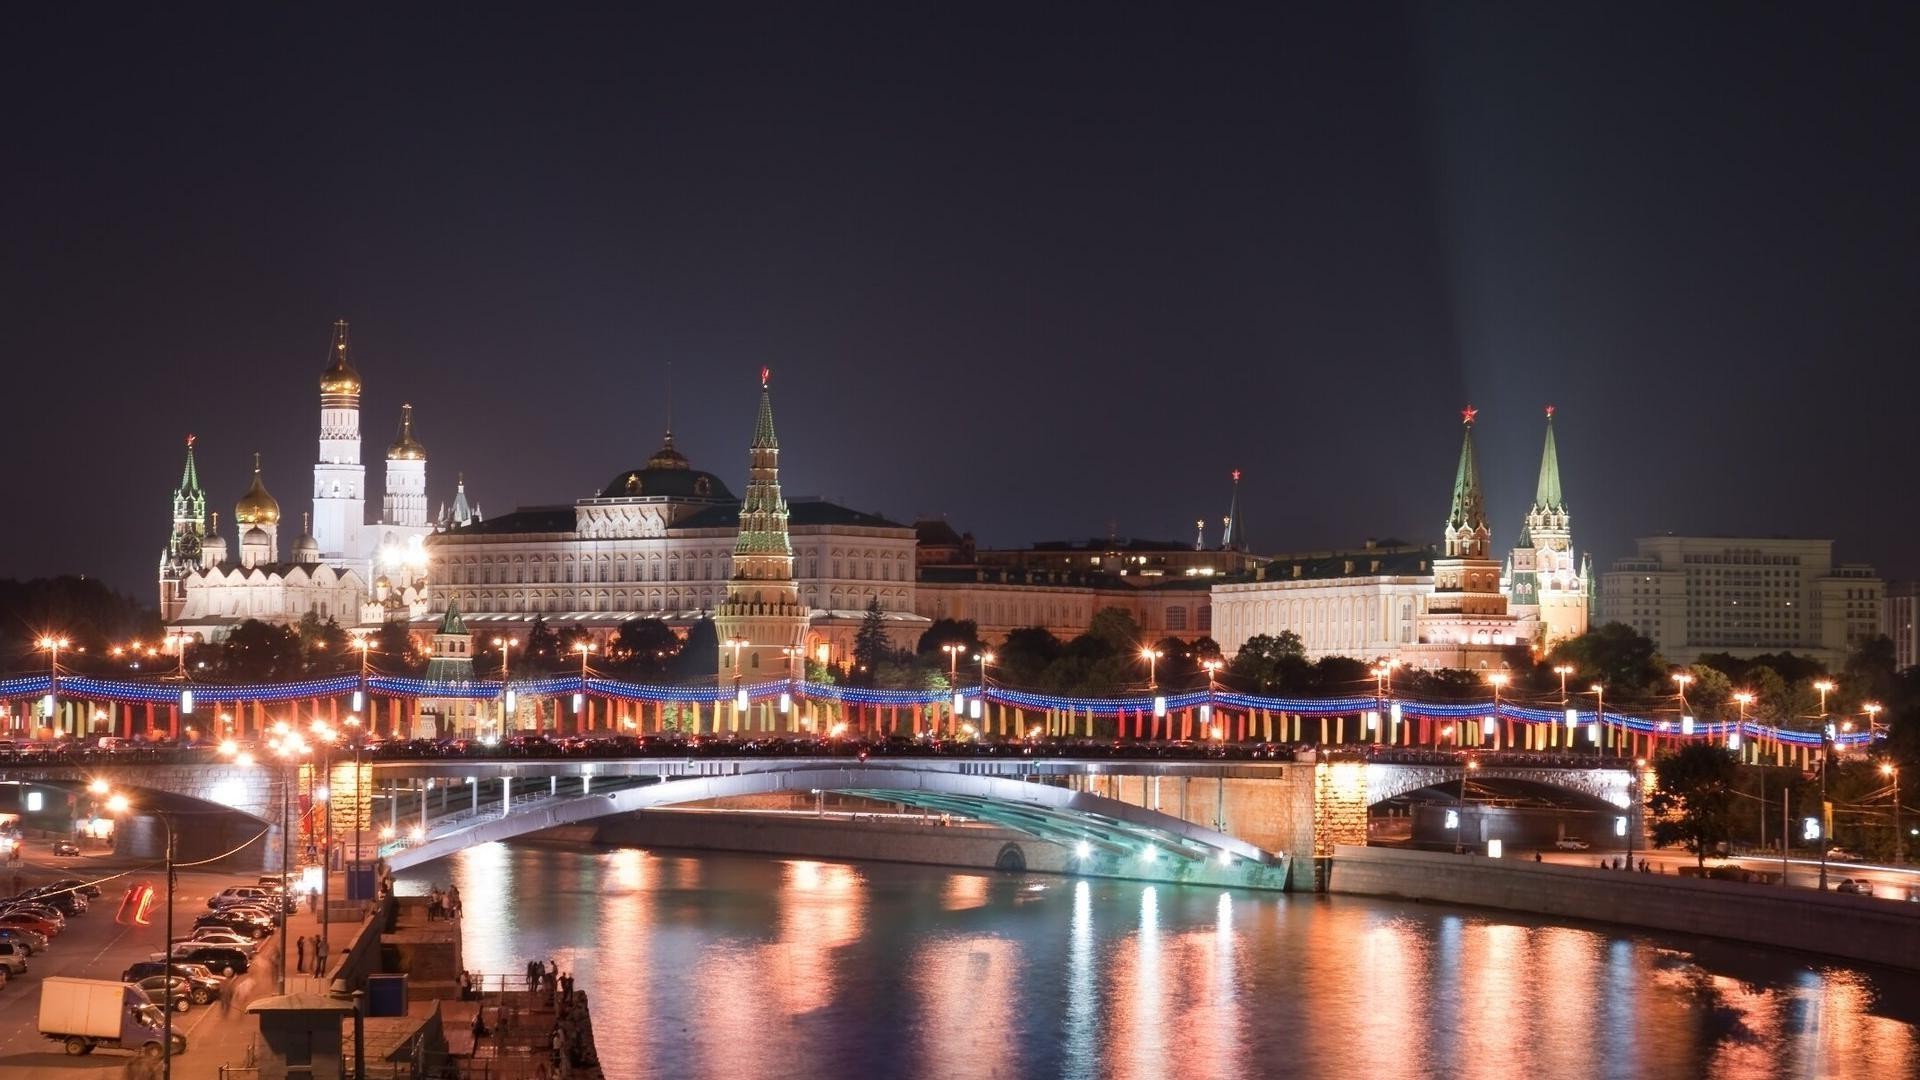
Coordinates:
[505,645]
[287,745]
[1825,687]
[324,734]
[1892,770]
[1683,679]
[1633,804]
[53,645]
[118,805]
[1599,705]
[1152,657]
[1563,670]
[1499,679]
[1460,831]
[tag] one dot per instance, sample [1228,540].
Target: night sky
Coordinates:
[1044,270]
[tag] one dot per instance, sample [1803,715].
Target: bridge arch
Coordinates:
[1047,812]
[1600,787]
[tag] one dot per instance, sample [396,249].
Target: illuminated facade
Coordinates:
[664,541]
[1548,588]
[342,567]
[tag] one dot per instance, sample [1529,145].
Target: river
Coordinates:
[735,966]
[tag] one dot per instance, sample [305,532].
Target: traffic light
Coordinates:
[136,906]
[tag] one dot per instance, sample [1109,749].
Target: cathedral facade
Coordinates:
[341,567]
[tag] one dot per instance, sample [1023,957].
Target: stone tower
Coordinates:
[1555,590]
[406,502]
[762,612]
[185,542]
[339,480]
[1467,613]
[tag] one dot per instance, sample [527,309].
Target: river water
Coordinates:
[734,966]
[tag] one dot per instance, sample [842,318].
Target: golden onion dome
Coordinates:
[256,507]
[405,447]
[339,378]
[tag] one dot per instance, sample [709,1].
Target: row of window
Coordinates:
[556,571]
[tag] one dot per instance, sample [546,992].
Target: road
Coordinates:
[1887,882]
[95,946]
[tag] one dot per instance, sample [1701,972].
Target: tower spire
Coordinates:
[1546,494]
[1467,517]
[762,615]
[1233,515]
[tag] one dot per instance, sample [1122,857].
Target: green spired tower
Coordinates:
[761,625]
[182,556]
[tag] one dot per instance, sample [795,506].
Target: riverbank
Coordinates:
[906,838]
[1856,929]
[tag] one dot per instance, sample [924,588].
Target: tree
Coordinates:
[543,646]
[1115,629]
[1693,798]
[257,651]
[699,657]
[324,646]
[643,647]
[395,647]
[1024,657]
[962,632]
[870,644]
[1616,657]
[1710,691]
[1270,662]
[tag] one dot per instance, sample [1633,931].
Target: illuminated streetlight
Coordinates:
[1825,687]
[1152,657]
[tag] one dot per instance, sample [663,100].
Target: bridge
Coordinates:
[1252,822]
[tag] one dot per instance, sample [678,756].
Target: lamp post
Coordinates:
[505,645]
[1460,831]
[1892,771]
[1824,687]
[324,734]
[354,736]
[287,745]
[983,658]
[53,645]
[1499,679]
[739,691]
[585,649]
[1599,705]
[118,805]
[1743,699]
[1152,657]
[1633,807]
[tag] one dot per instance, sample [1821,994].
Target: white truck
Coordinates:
[85,1013]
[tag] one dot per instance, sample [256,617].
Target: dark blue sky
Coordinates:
[1040,270]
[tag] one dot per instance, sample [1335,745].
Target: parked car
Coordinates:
[214,935]
[235,895]
[13,957]
[40,909]
[65,848]
[31,940]
[1568,843]
[237,921]
[220,958]
[26,921]
[85,888]
[155,987]
[202,977]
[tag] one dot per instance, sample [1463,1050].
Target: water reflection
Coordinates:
[736,966]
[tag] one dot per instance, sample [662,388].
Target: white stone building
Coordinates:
[346,568]
[659,542]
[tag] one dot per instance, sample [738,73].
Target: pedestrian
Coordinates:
[319,955]
[1537,858]
[453,900]
[533,975]
[300,955]
[313,900]
[226,996]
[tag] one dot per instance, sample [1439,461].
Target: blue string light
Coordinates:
[167,692]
